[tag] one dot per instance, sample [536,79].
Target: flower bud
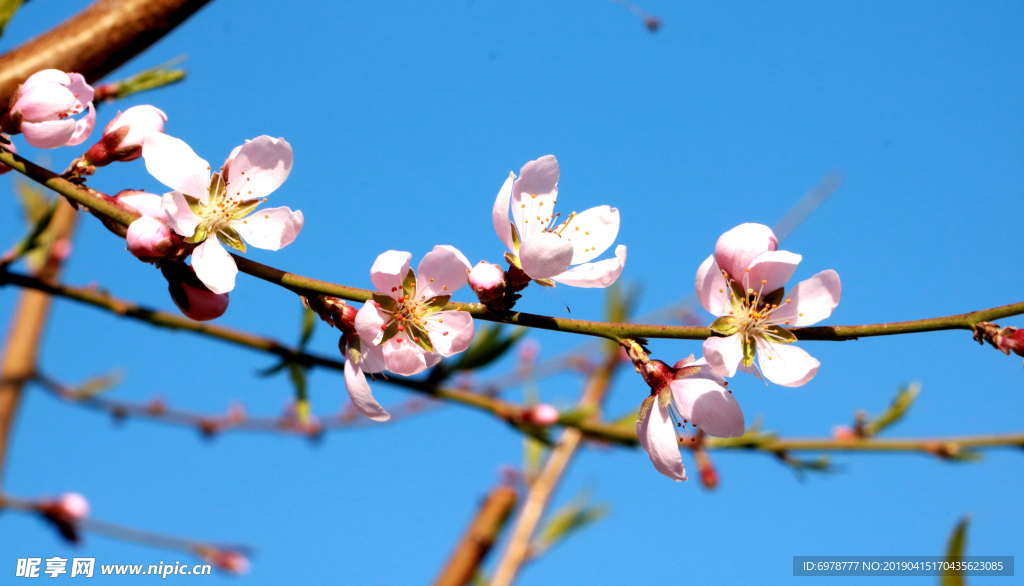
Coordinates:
[73,506]
[488,282]
[150,240]
[230,561]
[65,513]
[123,137]
[542,414]
[190,295]
[41,109]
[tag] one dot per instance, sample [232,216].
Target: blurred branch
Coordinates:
[229,558]
[160,76]
[26,330]
[95,41]
[479,538]
[612,331]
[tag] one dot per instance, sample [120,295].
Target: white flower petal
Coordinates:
[389,270]
[176,165]
[404,357]
[712,290]
[270,229]
[810,301]
[545,255]
[361,395]
[770,270]
[534,195]
[499,216]
[369,322]
[592,232]
[785,364]
[214,265]
[657,435]
[724,354]
[595,274]
[179,216]
[450,331]
[442,271]
[260,167]
[709,406]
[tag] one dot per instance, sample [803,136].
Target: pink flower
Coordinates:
[149,239]
[743,284]
[124,135]
[488,282]
[542,414]
[689,392]
[41,109]
[544,248]
[190,295]
[404,329]
[210,210]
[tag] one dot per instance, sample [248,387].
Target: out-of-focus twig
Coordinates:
[160,76]
[7,10]
[479,538]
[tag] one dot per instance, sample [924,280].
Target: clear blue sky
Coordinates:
[406,117]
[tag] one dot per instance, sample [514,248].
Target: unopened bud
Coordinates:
[708,474]
[843,433]
[73,506]
[150,240]
[190,295]
[230,561]
[123,137]
[542,414]
[65,513]
[488,282]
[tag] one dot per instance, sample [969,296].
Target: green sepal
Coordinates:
[386,302]
[724,325]
[687,371]
[409,285]
[775,297]
[230,237]
[434,304]
[193,204]
[390,332]
[245,208]
[516,240]
[738,297]
[749,351]
[645,408]
[217,188]
[198,236]
[420,336]
[544,282]
[355,350]
[513,260]
[779,335]
[665,397]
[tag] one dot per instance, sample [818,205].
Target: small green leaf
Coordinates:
[230,237]
[386,302]
[516,240]
[724,325]
[409,285]
[199,235]
[645,408]
[749,352]
[544,282]
[513,260]
[308,323]
[245,208]
[355,350]
[99,384]
[435,304]
[665,397]
[420,336]
[954,550]
[901,403]
[389,332]
[779,335]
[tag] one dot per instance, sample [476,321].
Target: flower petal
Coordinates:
[657,435]
[389,270]
[214,266]
[712,290]
[260,166]
[83,92]
[810,301]
[769,271]
[785,364]
[371,358]
[592,232]
[595,274]
[500,213]
[534,195]
[724,354]
[179,216]
[46,76]
[368,325]
[442,271]
[404,357]
[83,127]
[270,229]
[44,102]
[361,395]
[545,255]
[176,165]
[450,331]
[50,134]
[737,248]
[140,120]
[709,406]
[147,204]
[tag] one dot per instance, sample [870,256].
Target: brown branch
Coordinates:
[95,41]
[479,538]
[26,332]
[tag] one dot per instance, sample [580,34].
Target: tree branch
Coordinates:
[479,538]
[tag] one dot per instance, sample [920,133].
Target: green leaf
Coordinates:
[155,77]
[308,323]
[34,239]
[387,303]
[516,241]
[245,208]
[779,335]
[409,285]
[230,237]
[955,549]
[390,332]
[297,374]
[99,384]
[899,406]
[435,304]
[538,433]
[7,10]
[577,416]
[566,521]
[194,204]
[724,325]
[420,336]
[749,352]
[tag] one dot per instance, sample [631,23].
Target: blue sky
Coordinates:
[405,119]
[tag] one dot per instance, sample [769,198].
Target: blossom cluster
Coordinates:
[406,327]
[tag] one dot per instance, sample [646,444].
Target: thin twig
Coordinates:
[479,538]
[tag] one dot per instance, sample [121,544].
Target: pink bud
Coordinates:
[73,506]
[488,282]
[230,561]
[149,239]
[542,414]
[843,433]
[190,295]
[123,137]
[43,106]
